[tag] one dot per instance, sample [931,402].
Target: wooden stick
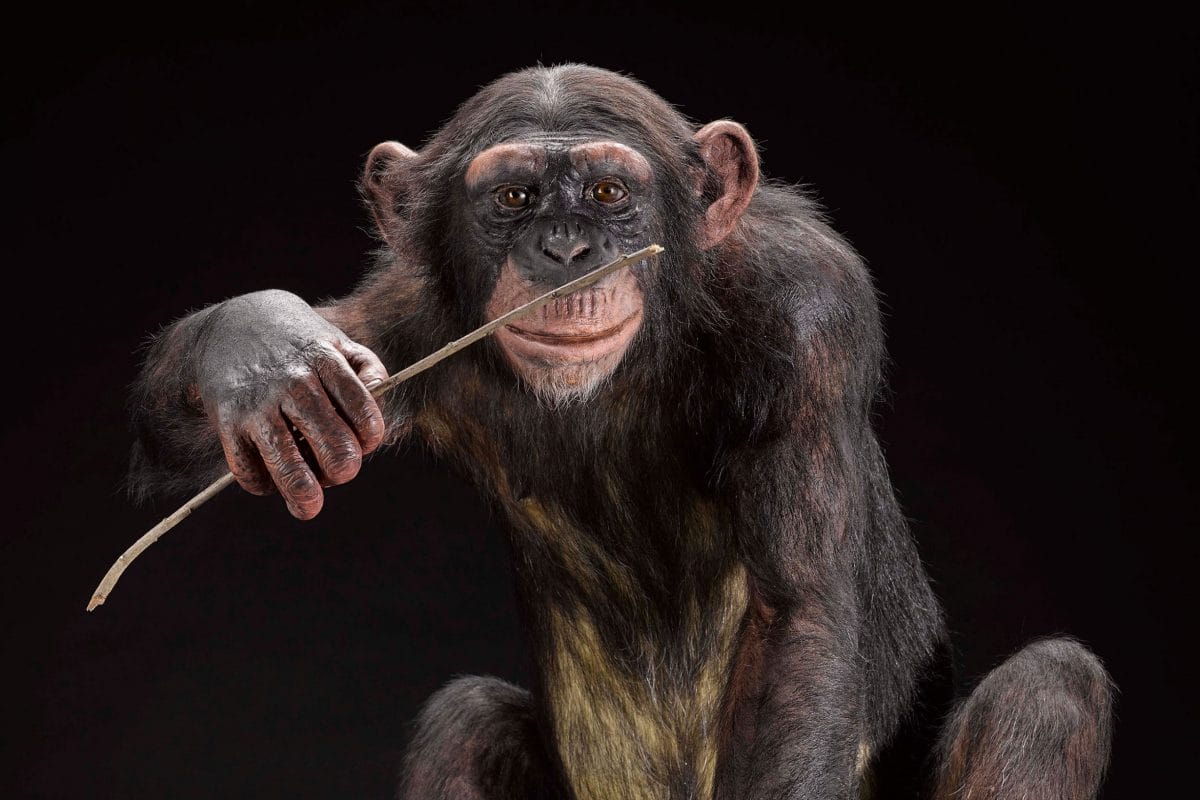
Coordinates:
[213,489]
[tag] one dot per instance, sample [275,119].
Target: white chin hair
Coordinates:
[563,385]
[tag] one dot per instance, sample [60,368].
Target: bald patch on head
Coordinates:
[595,155]
[512,156]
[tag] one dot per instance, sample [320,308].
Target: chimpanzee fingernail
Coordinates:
[371,384]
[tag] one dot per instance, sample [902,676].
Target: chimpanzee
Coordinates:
[722,597]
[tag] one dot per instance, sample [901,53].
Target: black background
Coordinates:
[1021,183]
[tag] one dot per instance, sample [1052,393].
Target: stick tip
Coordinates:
[96,601]
[655,249]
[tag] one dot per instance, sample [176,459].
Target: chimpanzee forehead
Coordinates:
[533,153]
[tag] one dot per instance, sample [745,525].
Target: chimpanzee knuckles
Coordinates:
[732,161]
[296,481]
[333,444]
[384,179]
[366,364]
[347,375]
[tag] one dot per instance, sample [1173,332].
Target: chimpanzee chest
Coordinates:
[634,659]
[628,573]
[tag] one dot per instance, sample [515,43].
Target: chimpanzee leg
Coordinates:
[1036,728]
[476,739]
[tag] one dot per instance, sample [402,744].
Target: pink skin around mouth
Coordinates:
[592,325]
[563,347]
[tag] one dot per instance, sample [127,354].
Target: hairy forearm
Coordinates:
[174,447]
[810,717]
[799,731]
[799,502]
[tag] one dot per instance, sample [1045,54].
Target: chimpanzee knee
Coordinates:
[476,739]
[1038,726]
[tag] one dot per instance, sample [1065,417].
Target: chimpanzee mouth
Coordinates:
[572,345]
[593,326]
[573,339]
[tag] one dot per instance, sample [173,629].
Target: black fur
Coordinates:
[742,409]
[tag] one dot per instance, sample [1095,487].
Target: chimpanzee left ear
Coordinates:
[730,156]
[385,181]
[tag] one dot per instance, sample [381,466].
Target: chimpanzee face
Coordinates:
[546,210]
[531,213]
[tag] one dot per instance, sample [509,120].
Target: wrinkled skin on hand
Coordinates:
[288,393]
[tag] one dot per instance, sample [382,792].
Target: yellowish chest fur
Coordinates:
[644,732]
[635,722]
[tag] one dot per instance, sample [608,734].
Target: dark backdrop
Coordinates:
[1021,185]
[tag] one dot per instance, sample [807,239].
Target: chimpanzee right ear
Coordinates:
[385,179]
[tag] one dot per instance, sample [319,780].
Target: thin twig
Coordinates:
[213,489]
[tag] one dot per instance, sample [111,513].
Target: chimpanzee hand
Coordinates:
[271,370]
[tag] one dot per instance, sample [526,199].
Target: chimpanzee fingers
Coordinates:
[287,467]
[346,378]
[245,463]
[331,441]
[366,364]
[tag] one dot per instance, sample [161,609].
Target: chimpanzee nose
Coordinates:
[553,251]
[565,242]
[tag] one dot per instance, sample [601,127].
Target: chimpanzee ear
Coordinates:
[385,181]
[732,162]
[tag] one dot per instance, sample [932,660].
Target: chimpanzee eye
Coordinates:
[609,191]
[514,196]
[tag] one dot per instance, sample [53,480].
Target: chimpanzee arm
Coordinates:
[175,445]
[239,379]
[797,506]
[800,485]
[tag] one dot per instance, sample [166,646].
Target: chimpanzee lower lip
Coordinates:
[570,338]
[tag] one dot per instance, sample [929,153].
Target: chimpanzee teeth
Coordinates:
[584,303]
